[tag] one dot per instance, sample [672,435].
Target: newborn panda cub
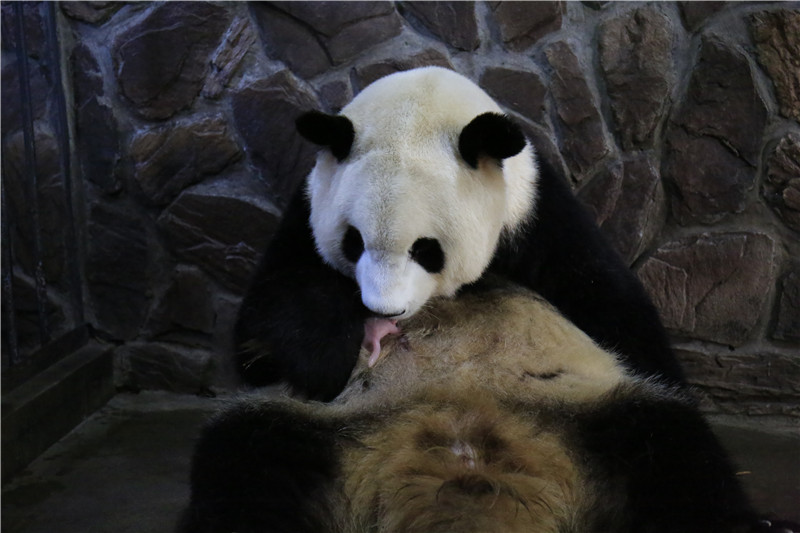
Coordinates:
[490,412]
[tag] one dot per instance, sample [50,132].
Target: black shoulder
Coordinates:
[563,255]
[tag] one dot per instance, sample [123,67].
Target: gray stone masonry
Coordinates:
[677,124]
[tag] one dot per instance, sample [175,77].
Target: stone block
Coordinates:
[714,139]
[167,159]
[227,59]
[787,323]
[383,67]
[521,24]
[162,61]
[713,182]
[264,112]
[335,95]
[760,383]
[777,38]
[310,37]
[782,185]
[695,13]
[522,91]
[117,260]
[723,101]
[636,61]
[186,304]
[583,141]
[452,22]
[96,126]
[291,41]
[713,286]
[223,227]
[90,12]
[629,204]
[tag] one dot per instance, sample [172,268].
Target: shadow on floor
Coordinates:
[125,470]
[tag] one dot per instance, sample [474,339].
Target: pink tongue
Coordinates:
[374,330]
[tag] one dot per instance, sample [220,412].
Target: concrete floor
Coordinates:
[126,469]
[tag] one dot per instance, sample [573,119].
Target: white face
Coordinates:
[403,214]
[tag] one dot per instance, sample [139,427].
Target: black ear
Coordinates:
[333,131]
[490,135]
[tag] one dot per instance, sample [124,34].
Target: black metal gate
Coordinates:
[42,294]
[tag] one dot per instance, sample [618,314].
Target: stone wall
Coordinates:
[677,124]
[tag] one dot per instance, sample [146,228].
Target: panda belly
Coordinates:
[506,342]
[460,461]
[472,396]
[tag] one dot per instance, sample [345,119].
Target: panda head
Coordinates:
[421,176]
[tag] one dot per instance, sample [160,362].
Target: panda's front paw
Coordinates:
[775,526]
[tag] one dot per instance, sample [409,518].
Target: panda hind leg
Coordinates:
[678,479]
[262,467]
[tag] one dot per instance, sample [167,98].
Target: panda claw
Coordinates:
[768,526]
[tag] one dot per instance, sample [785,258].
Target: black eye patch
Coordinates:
[352,244]
[427,252]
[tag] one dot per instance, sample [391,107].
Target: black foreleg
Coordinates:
[662,455]
[301,322]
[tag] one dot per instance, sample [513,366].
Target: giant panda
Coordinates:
[489,413]
[422,187]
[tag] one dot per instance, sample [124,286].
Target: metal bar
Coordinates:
[10,342]
[30,171]
[63,133]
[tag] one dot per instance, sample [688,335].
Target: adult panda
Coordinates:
[490,413]
[423,187]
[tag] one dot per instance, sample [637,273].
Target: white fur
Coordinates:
[404,179]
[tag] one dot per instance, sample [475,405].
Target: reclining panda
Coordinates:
[489,413]
[485,409]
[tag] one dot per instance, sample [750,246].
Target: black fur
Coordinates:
[333,131]
[352,244]
[428,254]
[661,458]
[492,135]
[302,322]
[260,468]
[564,256]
